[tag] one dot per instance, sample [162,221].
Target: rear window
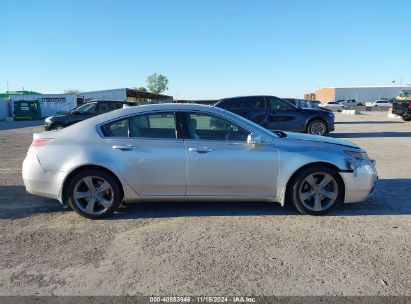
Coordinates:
[158,125]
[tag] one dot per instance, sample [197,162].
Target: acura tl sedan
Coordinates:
[172,152]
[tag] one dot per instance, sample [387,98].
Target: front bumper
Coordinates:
[360,183]
[41,182]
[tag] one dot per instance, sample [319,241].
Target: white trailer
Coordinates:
[50,104]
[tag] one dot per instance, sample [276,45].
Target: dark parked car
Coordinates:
[275,113]
[403,109]
[87,110]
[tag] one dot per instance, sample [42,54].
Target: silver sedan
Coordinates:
[176,152]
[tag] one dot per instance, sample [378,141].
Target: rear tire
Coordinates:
[317,127]
[94,194]
[316,190]
[406,118]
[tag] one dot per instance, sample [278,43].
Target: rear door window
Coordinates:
[156,125]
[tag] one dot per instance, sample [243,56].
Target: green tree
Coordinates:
[142,89]
[157,83]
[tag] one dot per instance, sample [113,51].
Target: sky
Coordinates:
[208,49]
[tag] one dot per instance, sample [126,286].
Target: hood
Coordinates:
[321,139]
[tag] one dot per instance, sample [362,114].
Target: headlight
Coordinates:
[358,155]
[48,119]
[358,159]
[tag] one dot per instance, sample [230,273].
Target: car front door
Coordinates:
[282,115]
[222,163]
[148,154]
[252,108]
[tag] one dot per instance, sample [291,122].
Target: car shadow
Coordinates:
[390,198]
[16,203]
[10,125]
[370,134]
[367,122]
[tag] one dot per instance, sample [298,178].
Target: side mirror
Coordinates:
[75,112]
[254,139]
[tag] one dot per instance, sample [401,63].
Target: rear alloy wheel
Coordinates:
[317,127]
[94,194]
[316,190]
[406,117]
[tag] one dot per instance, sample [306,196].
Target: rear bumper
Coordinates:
[41,182]
[401,112]
[360,184]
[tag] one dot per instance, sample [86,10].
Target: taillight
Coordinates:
[409,105]
[37,143]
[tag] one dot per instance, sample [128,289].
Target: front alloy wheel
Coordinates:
[316,190]
[317,127]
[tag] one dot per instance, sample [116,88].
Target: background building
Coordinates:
[360,94]
[51,104]
[126,94]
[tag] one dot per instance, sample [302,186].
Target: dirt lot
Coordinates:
[213,248]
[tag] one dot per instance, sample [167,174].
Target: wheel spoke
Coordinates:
[306,195]
[105,203]
[90,205]
[103,187]
[89,183]
[317,203]
[326,180]
[81,194]
[331,195]
[310,180]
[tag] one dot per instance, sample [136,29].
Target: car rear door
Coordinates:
[222,163]
[147,152]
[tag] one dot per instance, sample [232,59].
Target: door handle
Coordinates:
[123,148]
[201,150]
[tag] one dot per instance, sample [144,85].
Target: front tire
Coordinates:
[94,194]
[57,127]
[316,190]
[406,117]
[317,127]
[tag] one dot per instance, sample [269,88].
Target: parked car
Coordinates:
[379,103]
[80,113]
[305,104]
[349,103]
[403,109]
[332,105]
[169,152]
[274,113]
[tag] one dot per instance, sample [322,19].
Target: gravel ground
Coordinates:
[212,248]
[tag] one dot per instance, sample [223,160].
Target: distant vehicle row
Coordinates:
[271,112]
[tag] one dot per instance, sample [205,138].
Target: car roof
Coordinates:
[106,100]
[148,108]
[249,96]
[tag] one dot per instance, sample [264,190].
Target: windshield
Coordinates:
[86,108]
